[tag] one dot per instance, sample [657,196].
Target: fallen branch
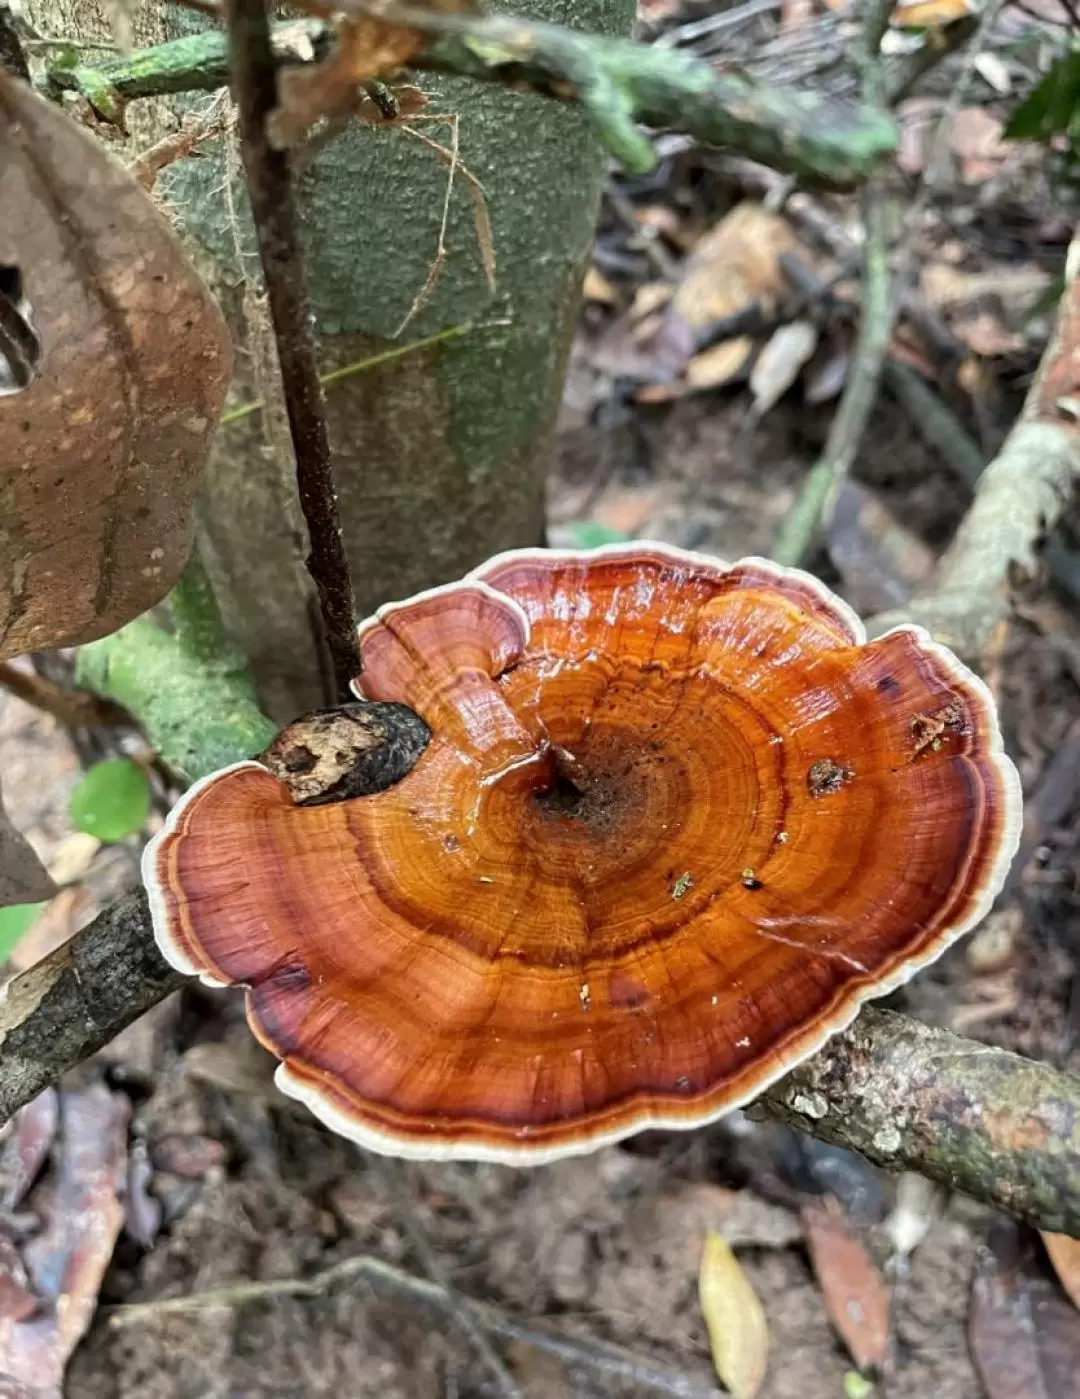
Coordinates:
[823,140]
[1020,497]
[992,1124]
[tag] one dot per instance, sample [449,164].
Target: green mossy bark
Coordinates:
[440,458]
[199,715]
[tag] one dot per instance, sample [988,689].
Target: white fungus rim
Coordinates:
[981,898]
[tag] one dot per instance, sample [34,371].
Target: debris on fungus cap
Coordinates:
[676,821]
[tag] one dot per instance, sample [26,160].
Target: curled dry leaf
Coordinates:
[66,1260]
[26,1147]
[1023,1335]
[855,1296]
[1065,1255]
[734,267]
[738,1330]
[780,363]
[23,878]
[102,453]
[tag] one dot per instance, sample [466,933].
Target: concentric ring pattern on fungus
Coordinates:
[677,820]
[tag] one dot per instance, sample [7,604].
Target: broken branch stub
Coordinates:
[117,361]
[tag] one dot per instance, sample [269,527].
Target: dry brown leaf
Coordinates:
[650,297]
[986,336]
[795,12]
[975,134]
[781,362]
[929,14]
[719,364]
[23,878]
[1065,1255]
[735,266]
[738,1330]
[66,1260]
[1023,1335]
[596,287]
[26,1146]
[102,454]
[855,1296]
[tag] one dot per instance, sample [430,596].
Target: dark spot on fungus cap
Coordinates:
[497,964]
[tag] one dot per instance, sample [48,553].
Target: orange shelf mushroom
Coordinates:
[677,820]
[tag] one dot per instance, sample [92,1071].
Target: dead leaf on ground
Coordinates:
[719,364]
[734,267]
[23,878]
[856,1299]
[975,138]
[101,455]
[919,1203]
[780,363]
[738,1330]
[596,287]
[17,1299]
[1065,1255]
[929,14]
[27,1146]
[1023,1335]
[65,1262]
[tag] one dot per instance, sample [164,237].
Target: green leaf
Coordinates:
[14,921]
[112,801]
[590,534]
[1051,106]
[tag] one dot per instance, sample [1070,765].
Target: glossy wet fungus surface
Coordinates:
[676,821]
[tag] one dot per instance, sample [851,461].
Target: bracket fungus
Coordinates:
[676,821]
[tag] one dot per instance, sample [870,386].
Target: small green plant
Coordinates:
[112,801]
[1050,113]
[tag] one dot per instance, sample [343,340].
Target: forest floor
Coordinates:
[665,435]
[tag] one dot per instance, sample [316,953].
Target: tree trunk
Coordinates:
[440,456]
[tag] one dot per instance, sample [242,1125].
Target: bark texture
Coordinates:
[995,1125]
[439,458]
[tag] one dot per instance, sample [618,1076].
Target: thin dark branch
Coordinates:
[253,69]
[603,1358]
[77,709]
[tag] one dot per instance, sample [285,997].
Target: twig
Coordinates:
[1001,1128]
[604,1359]
[1020,497]
[454,1303]
[78,709]
[823,140]
[875,329]
[67,1006]
[860,392]
[254,81]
